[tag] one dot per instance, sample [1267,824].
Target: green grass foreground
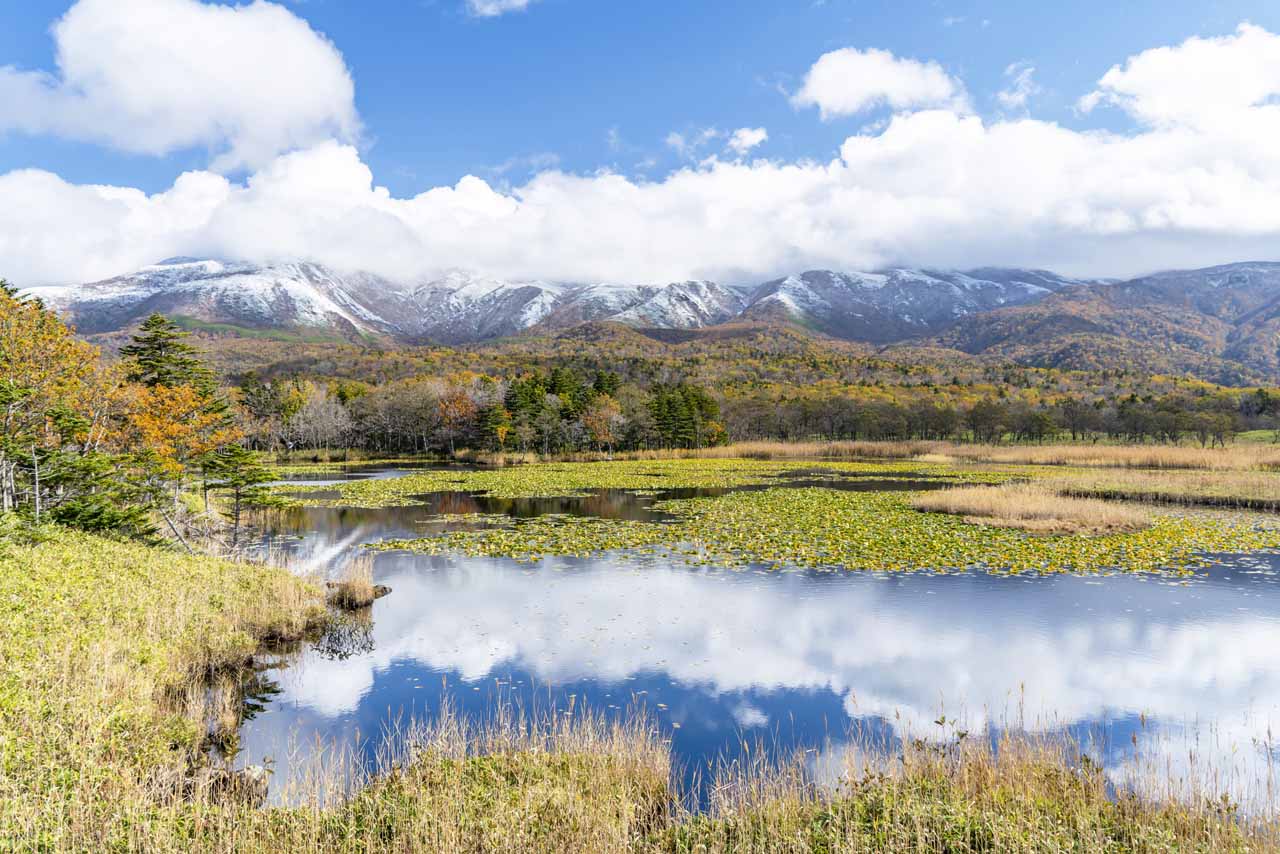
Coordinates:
[107,649]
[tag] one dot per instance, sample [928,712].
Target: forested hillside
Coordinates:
[606,386]
[1221,324]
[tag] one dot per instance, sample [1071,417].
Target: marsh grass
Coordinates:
[107,654]
[971,792]
[979,792]
[354,588]
[1240,490]
[1033,507]
[1240,457]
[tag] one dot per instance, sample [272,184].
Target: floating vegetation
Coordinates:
[643,476]
[829,529]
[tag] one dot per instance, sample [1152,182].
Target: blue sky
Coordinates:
[598,132]
[601,83]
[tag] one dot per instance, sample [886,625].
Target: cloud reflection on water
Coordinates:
[1047,652]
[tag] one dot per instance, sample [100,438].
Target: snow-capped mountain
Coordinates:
[457,308]
[278,296]
[463,307]
[1221,323]
[893,305]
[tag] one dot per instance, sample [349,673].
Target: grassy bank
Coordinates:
[115,660]
[106,652]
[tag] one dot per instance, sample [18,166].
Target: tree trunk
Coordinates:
[235,522]
[35,469]
[6,497]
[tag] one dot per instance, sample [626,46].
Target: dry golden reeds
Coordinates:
[1033,507]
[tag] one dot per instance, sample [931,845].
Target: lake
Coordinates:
[1148,667]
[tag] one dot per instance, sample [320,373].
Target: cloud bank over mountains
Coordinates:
[930,183]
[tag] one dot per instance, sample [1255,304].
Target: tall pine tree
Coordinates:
[160,356]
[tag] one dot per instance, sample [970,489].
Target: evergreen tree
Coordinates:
[495,424]
[566,385]
[160,356]
[525,396]
[236,470]
[259,399]
[606,383]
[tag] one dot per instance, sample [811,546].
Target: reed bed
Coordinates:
[1034,507]
[1235,458]
[1241,457]
[1237,490]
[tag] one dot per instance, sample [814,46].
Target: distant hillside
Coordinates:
[1221,324]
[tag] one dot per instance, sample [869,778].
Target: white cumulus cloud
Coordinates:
[849,81]
[743,140]
[156,76]
[1200,83]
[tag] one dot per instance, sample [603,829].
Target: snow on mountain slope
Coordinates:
[461,307]
[893,305]
[456,308]
[685,305]
[280,296]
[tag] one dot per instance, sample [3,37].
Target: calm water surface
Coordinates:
[1145,664]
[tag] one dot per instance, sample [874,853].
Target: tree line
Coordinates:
[548,413]
[1173,418]
[560,410]
[111,444]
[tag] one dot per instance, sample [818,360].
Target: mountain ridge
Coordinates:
[463,307]
[1218,323]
